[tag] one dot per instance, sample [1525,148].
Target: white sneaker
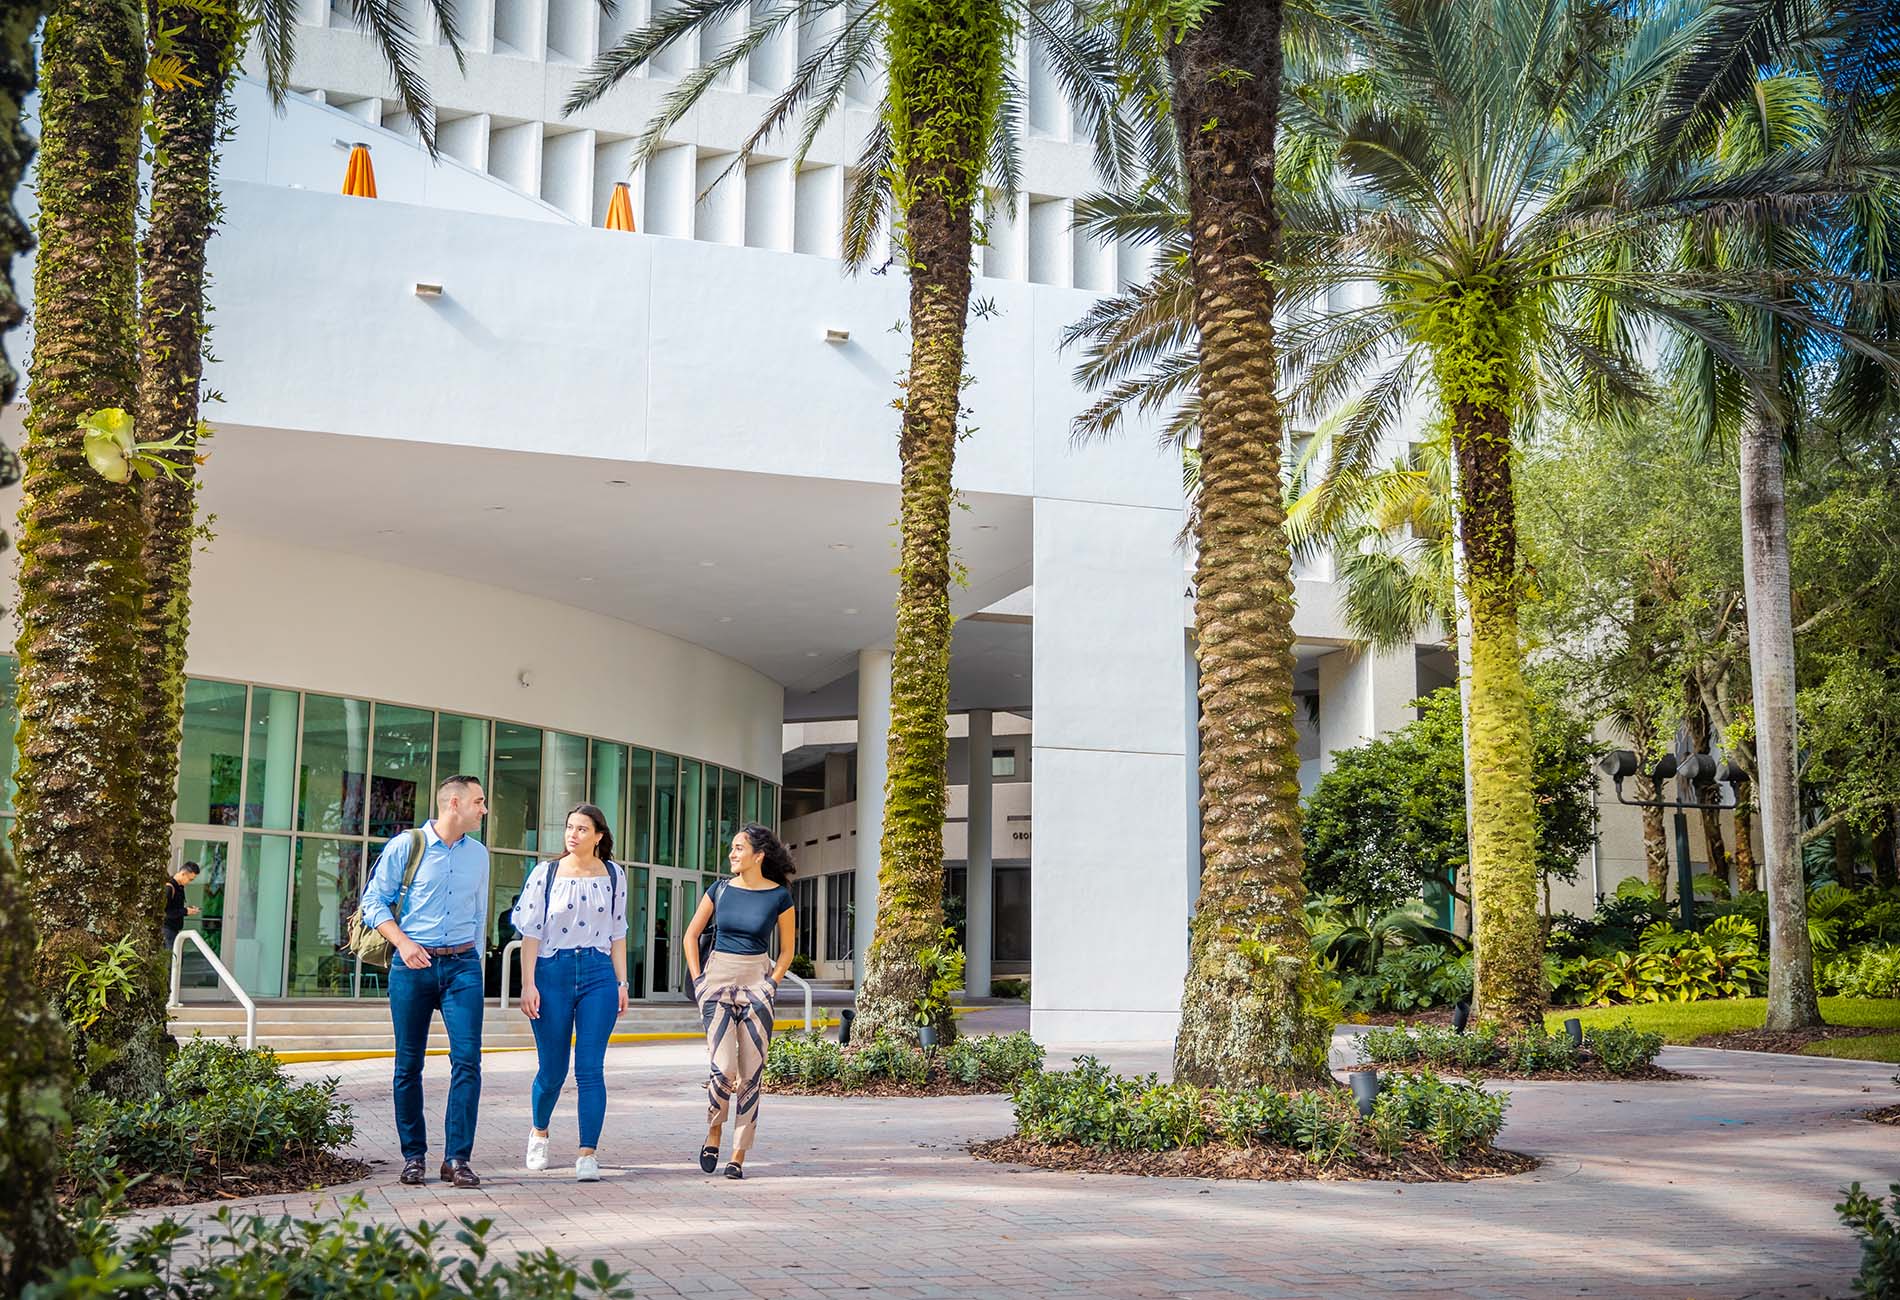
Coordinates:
[537,1152]
[586,1169]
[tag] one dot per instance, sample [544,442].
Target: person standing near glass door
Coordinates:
[176,909]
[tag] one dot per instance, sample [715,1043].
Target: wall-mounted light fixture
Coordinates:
[426,290]
[837,336]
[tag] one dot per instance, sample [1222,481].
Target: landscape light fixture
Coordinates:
[1691,773]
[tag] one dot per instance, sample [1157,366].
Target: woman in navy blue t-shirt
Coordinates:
[739,984]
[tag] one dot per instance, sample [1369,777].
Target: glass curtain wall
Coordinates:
[319,784]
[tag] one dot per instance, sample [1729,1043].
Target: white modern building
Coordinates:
[609,516]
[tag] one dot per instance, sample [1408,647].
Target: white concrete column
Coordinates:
[1363,694]
[979,908]
[874,728]
[1108,910]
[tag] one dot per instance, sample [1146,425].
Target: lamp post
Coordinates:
[1690,772]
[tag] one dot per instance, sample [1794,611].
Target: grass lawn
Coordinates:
[1684,1022]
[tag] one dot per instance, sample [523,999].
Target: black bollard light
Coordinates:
[1460,1017]
[1365,1089]
[1573,1030]
[845,1018]
[926,1036]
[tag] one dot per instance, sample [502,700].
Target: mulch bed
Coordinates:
[886,1088]
[1592,1072]
[1790,1041]
[323,1170]
[1256,1164]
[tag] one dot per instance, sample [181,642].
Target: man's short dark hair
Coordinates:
[460,783]
[192,867]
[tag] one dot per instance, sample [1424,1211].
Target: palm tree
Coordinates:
[194,52]
[949,122]
[81,580]
[35,1065]
[1252,1006]
[1843,110]
[1492,180]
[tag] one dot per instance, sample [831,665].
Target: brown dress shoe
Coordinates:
[458,1172]
[415,1172]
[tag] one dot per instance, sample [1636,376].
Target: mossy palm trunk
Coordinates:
[80,536]
[35,1068]
[1793,1002]
[945,65]
[1508,969]
[1251,1010]
[183,213]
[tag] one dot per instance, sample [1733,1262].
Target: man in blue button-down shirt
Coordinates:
[439,946]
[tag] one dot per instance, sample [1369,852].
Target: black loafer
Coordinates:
[735,1170]
[415,1172]
[458,1172]
[708,1159]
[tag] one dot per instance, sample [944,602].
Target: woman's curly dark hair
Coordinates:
[778,861]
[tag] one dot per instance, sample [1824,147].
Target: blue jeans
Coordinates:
[453,986]
[580,1001]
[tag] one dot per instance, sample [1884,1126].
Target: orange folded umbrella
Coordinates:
[359,178]
[620,208]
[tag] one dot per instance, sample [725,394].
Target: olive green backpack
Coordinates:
[366,940]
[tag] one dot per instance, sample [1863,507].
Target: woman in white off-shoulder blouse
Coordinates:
[572,917]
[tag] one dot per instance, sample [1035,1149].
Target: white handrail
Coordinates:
[803,985]
[224,976]
[513,945]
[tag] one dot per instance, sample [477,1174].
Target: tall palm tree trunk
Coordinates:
[80,579]
[946,71]
[183,213]
[1251,1010]
[1793,1002]
[35,1066]
[1472,365]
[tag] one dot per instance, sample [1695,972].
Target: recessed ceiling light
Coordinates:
[616,482]
[841,546]
[811,654]
[725,618]
[498,507]
[387,532]
[707,564]
[851,611]
[986,528]
[585,578]
[1018,676]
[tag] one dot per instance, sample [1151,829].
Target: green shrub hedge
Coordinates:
[1093,1107]
[1621,1049]
[813,1061]
[222,1106]
[255,1258]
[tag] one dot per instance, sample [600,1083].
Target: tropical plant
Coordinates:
[1253,1007]
[35,1065]
[1388,820]
[1791,80]
[946,127]
[81,581]
[943,980]
[244,1256]
[1876,1223]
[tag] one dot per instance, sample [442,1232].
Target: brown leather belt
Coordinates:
[456,951]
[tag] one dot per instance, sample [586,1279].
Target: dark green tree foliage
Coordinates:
[1389,819]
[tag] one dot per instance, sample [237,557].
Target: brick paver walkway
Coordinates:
[1717,1188]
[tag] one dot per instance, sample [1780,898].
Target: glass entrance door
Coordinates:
[671,900]
[212,893]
